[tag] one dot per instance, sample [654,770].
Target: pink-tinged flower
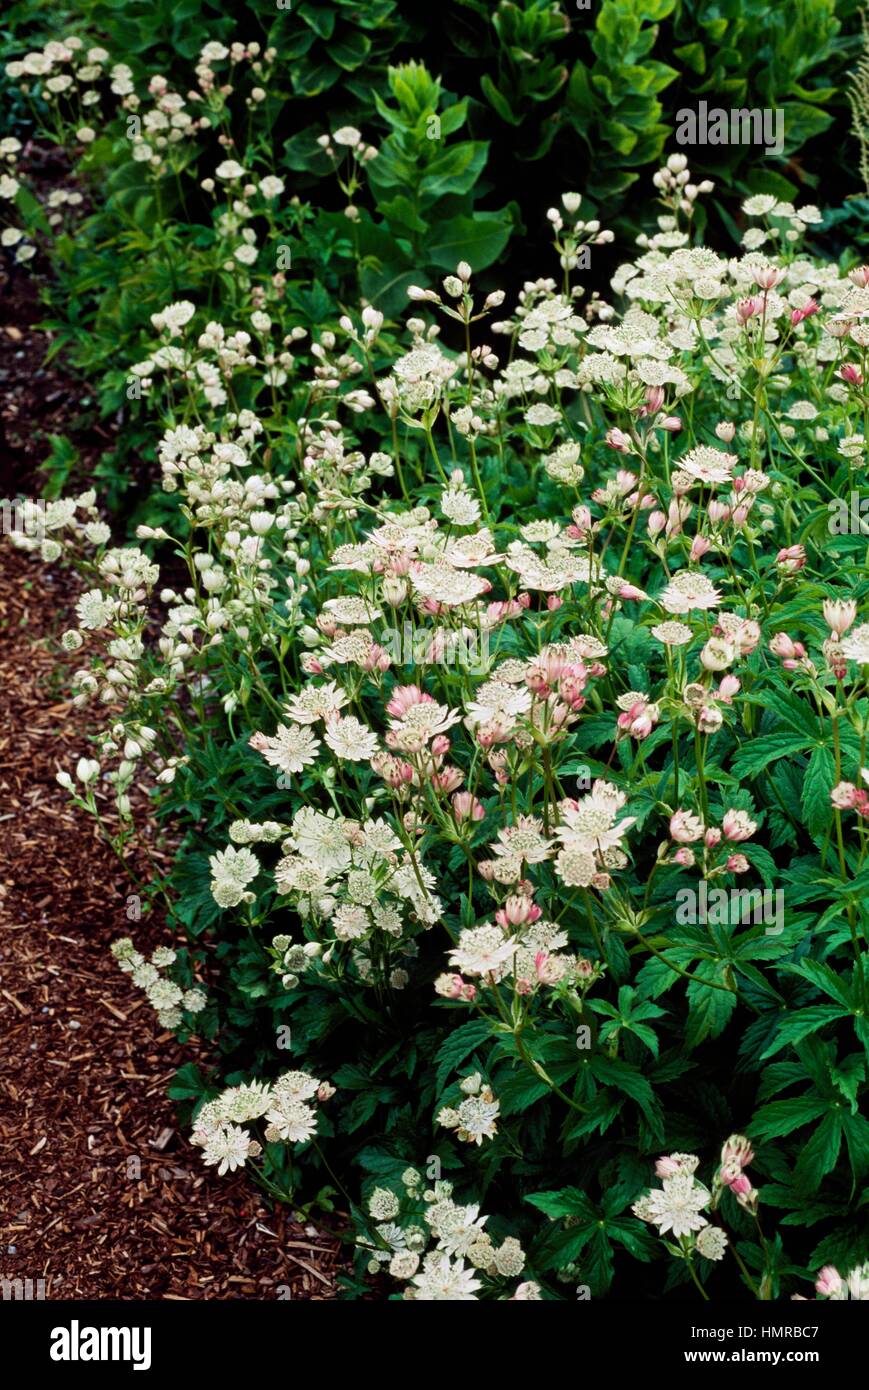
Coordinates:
[619,441]
[639,719]
[671,1164]
[859,276]
[654,401]
[656,522]
[404,697]
[808,309]
[630,591]
[747,308]
[745,633]
[517,910]
[768,277]
[709,719]
[737,1149]
[737,864]
[725,431]
[738,825]
[740,1184]
[782,646]
[844,796]
[712,838]
[791,558]
[449,986]
[828,1282]
[449,779]
[377,659]
[467,807]
[851,374]
[671,423]
[553,603]
[839,615]
[718,511]
[685,827]
[730,686]
[685,856]
[699,547]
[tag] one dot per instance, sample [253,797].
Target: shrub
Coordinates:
[489,665]
[524,101]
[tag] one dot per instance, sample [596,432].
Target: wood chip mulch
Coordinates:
[102,1196]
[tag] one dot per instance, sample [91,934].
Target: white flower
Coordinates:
[672,634]
[291,1120]
[855,646]
[441,1280]
[321,839]
[291,748]
[228,1147]
[759,204]
[229,169]
[542,414]
[460,507]
[350,740]
[94,610]
[316,702]
[173,318]
[271,186]
[234,866]
[347,135]
[688,590]
[482,951]
[712,1242]
[676,1206]
[709,465]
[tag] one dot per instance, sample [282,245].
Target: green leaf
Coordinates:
[819,1155]
[459,1045]
[568,1201]
[710,1009]
[758,753]
[819,781]
[479,240]
[782,1117]
[794,1027]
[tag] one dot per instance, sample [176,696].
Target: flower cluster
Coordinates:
[169,999]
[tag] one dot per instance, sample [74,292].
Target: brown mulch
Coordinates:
[102,1196]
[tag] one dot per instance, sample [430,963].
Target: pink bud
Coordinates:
[730,686]
[829,1281]
[699,547]
[851,374]
[844,796]
[619,441]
